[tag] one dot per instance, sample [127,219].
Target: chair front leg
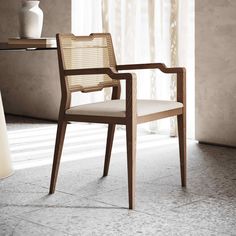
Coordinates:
[110,137]
[61,129]
[131,132]
[182,147]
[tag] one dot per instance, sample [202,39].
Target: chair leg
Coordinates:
[110,137]
[182,147]
[131,162]
[61,129]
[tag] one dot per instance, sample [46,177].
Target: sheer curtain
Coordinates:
[145,31]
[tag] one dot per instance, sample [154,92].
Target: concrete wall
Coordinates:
[216,71]
[29,80]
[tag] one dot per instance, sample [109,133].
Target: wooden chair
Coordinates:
[87,64]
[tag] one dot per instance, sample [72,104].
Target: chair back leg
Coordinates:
[182,147]
[61,129]
[110,134]
[110,138]
[131,133]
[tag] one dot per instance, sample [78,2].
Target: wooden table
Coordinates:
[6,46]
[6,168]
[39,63]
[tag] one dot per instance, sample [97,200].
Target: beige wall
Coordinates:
[29,81]
[216,71]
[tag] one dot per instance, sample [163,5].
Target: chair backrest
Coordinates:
[84,52]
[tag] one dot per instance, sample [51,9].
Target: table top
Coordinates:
[6,46]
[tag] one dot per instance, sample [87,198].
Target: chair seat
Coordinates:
[116,108]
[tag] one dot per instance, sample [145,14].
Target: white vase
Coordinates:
[31,20]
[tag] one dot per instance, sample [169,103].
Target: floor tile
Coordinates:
[25,194]
[212,214]
[12,210]
[10,226]
[151,199]
[86,217]
[86,204]
[210,182]
[81,184]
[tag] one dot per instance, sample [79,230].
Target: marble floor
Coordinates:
[86,204]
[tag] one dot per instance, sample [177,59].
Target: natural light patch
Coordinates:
[35,146]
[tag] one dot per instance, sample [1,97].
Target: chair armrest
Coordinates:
[180,71]
[131,86]
[161,66]
[96,71]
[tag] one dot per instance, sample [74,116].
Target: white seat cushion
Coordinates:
[116,108]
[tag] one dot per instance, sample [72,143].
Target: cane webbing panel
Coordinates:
[83,52]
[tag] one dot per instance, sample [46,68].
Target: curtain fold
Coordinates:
[105,29]
[174,58]
[152,51]
[149,31]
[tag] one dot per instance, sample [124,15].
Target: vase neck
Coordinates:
[30,3]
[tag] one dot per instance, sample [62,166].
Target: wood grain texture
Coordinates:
[110,135]
[61,129]
[181,97]
[130,120]
[162,67]
[28,47]
[182,147]
[131,133]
